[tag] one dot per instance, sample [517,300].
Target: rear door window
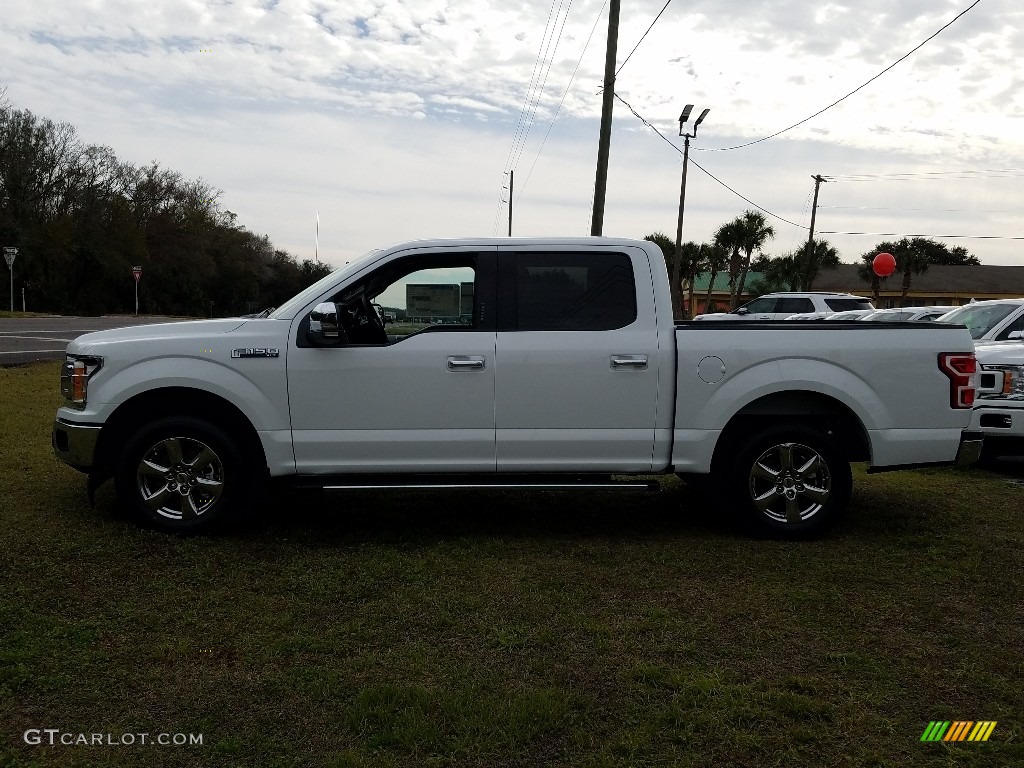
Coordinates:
[794,305]
[566,291]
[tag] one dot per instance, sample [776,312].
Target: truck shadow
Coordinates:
[427,515]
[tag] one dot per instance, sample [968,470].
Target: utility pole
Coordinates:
[809,258]
[608,103]
[511,184]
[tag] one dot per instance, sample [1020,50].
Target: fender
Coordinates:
[262,398]
[772,377]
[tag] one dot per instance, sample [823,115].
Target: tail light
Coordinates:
[960,368]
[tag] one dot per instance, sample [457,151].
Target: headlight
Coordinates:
[75,375]
[1004,382]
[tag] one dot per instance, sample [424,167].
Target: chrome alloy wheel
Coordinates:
[180,478]
[790,483]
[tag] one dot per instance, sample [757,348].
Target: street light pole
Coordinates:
[677,259]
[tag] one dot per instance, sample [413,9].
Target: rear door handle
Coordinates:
[465,363]
[629,362]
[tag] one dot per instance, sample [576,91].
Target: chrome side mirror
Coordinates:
[324,329]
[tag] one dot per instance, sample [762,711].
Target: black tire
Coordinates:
[183,474]
[790,482]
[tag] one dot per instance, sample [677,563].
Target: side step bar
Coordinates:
[364,482]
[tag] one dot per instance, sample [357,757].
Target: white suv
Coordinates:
[779,306]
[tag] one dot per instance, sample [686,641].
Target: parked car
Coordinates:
[905,314]
[779,306]
[995,320]
[596,380]
[999,405]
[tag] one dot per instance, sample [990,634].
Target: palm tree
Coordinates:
[694,263]
[729,237]
[716,258]
[821,254]
[911,257]
[754,233]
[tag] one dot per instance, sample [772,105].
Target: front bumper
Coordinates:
[75,444]
[997,419]
[970,448]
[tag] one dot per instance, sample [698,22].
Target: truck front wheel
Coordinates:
[791,482]
[181,474]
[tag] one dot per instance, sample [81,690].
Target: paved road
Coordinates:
[25,340]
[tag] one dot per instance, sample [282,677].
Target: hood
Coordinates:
[1000,353]
[92,342]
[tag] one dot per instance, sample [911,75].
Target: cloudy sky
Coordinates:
[398,119]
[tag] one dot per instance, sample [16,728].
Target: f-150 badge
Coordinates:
[259,352]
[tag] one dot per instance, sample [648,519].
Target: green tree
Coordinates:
[913,257]
[690,264]
[716,259]
[809,262]
[81,219]
[754,233]
[729,238]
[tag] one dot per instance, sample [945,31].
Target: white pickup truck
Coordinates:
[526,362]
[999,408]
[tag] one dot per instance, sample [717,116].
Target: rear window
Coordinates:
[842,305]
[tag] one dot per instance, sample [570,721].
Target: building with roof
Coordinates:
[938,286]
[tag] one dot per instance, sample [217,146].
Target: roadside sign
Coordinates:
[137,272]
[9,254]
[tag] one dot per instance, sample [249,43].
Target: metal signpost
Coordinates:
[137,274]
[9,254]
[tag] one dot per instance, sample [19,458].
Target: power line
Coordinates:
[562,101]
[1007,173]
[904,234]
[643,120]
[642,38]
[844,98]
[927,210]
[534,91]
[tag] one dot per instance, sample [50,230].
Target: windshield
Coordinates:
[979,318]
[290,307]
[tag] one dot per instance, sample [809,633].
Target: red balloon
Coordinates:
[884,264]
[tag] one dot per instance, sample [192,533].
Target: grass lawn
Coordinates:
[505,628]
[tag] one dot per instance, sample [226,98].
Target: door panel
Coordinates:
[418,397]
[575,400]
[395,408]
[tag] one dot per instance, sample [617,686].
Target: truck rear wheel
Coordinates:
[791,482]
[182,475]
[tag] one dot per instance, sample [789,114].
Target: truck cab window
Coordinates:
[568,292]
[406,297]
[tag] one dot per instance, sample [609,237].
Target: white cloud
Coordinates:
[394,118]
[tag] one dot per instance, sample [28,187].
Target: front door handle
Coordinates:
[465,363]
[629,362]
